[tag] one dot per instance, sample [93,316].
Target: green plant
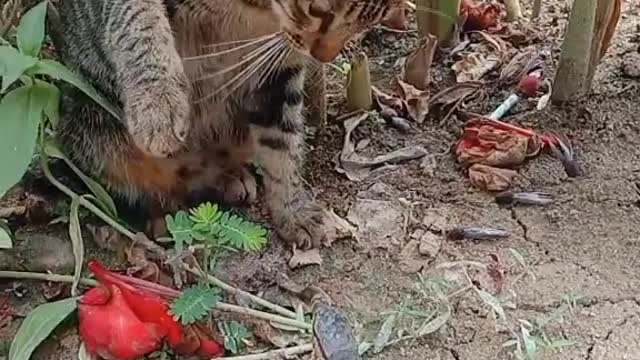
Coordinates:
[235,335]
[195,303]
[216,231]
[532,340]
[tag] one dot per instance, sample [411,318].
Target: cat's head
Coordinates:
[321,28]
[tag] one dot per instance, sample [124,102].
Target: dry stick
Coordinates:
[235,291]
[262,315]
[275,354]
[219,306]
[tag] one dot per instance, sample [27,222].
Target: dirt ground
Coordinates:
[585,244]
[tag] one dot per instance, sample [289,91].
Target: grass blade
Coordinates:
[75,233]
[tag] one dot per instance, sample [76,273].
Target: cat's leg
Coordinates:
[149,73]
[278,130]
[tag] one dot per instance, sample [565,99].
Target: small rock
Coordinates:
[379,223]
[38,253]
[430,245]
[631,65]
[42,253]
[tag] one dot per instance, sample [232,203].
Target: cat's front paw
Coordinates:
[306,227]
[158,117]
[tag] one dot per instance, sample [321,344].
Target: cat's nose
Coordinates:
[325,51]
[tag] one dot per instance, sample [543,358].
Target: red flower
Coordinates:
[120,321]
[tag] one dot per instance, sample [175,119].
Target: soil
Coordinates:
[585,244]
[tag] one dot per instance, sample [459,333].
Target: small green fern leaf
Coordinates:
[205,213]
[180,228]
[240,233]
[194,303]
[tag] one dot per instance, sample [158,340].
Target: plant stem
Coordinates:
[219,306]
[262,315]
[84,202]
[235,291]
[20,275]
[437,17]
[537,7]
[514,11]
[274,354]
[572,76]
[359,84]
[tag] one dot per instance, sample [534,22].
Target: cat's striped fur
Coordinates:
[196,115]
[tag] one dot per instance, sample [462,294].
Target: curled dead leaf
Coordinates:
[302,258]
[491,178]
[418,64]
[417,101]
[474,66]
[453,94]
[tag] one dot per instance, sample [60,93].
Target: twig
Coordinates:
[274,354]
[262,315]
[20,275]
[235,291]
[145,284]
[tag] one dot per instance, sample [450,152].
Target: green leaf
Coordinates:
[31,29]
[12,65]
[58,71]
[52,110]
[205,213]
[240,233]
[105,202]
[21,110]
[194,303]
[492,301]
[5,236]
[435,324]
[180,228]
[75,233]
[38,325]
[234,333]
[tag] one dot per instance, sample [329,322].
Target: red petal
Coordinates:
[148,307]
[113,331]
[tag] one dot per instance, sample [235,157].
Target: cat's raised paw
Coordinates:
[158,117]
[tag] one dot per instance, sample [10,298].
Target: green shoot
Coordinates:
[215,229]
[235,335]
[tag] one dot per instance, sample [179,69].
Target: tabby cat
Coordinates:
[206,88]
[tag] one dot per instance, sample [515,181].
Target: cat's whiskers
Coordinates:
[234,49]
[247,58]
[256,60]
[267,60]
[227,43]
[274,65]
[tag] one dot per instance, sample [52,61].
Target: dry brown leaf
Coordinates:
[417,101]
[336,228]
[386,101]
[396,19]
[418,64]
[302,258]
[358,167]
[474,66]
[519,65]
[491,178]
[453,94]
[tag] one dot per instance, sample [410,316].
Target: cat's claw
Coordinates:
[305,228]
